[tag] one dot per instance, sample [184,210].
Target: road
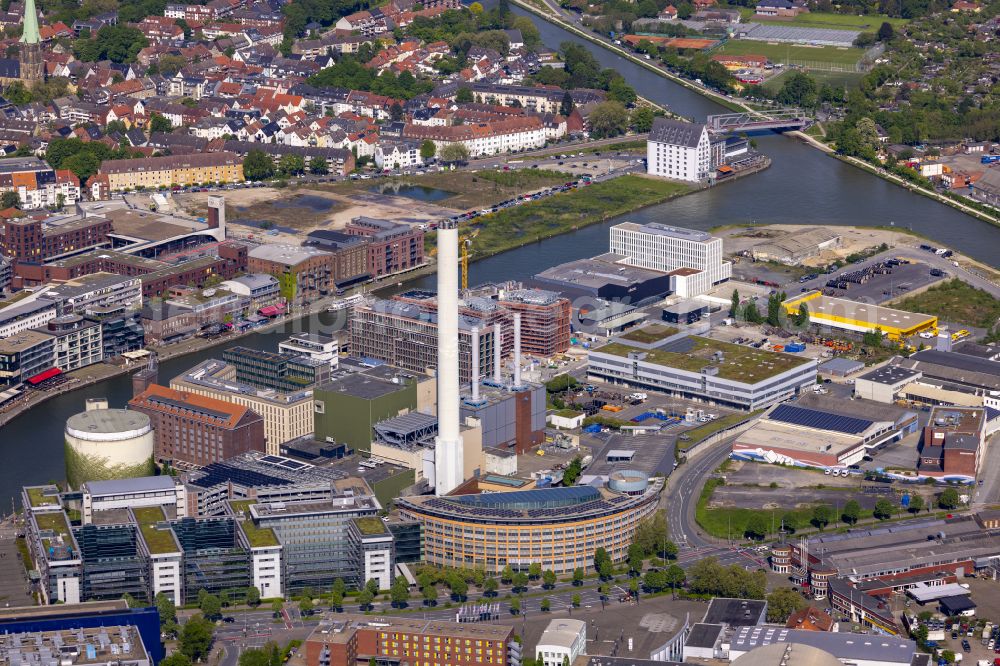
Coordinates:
[684,488]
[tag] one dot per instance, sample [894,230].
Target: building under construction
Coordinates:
[545,315]
[405,336]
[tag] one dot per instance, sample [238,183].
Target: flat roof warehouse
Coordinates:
[860,317]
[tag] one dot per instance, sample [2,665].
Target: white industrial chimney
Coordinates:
[517,350]
[497,353]
[475,364]
[448,463]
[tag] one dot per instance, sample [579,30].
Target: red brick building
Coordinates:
[198,430]
[358,638]
[157,276]
[26,239]
[392,247]
[951,443]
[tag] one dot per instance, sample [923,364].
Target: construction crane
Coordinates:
[465,263]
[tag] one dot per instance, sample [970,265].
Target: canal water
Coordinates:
[803,186]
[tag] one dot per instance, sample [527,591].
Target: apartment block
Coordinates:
[167,171]
[37,184]
[392,247]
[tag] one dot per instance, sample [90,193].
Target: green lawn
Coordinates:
[955,301]
[38,497]
[792,53]
[158,540]
[561,213]
[259,537]
[649,334]
[739,363]
[55,521]
[834,79]
[827,20]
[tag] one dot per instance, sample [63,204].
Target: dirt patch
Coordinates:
[853,239]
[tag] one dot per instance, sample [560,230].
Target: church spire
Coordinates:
[30,33]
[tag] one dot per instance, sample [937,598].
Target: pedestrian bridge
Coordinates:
[778,120]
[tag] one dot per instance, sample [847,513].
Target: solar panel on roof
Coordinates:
[275,460]
[813,418]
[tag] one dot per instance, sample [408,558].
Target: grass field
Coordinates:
[792,53]
[561,213]
[955,301]
[826,20]
[834,79]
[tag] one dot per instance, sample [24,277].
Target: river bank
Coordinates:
[735,105]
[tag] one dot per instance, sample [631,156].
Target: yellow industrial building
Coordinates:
[857,317]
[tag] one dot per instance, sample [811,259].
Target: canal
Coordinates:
[803,186]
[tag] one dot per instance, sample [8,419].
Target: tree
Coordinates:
[774,311]
[430,594]
[176,659]
[336,600]
[168,613]
[290,164]
[427,149]
[306,606]
[276,607]
[17,94]
[916,504]
[601,558]
[257,165]
[734,303]
[851,512]
[885,32]
[396,111]
[756,527]
[751,313]
[821,516]
[253,596]
[549,578]
[799,89]
[566,105]
[210,605]
[546,605]
[196,638]
[674,577]
[534,571]
[872,338]
[490,586]
[635,558]
[520,580]
[463,95]
[620,91]
[802,316]
[515,606]
[573,471]
[459,588]
[454,152]
[578,574]
[507,575]
[339,587]
[365,598]
[83,164]
[576,600]
[160,123]
[10,199]
[400,591]
[319,166]
[782,603]
[642,119]
[883,509]
[608,119]
[948,499]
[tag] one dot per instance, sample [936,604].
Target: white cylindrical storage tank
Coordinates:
[105,444]
[628,481]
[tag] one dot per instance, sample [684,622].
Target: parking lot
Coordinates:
[653,454]
[903,279]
